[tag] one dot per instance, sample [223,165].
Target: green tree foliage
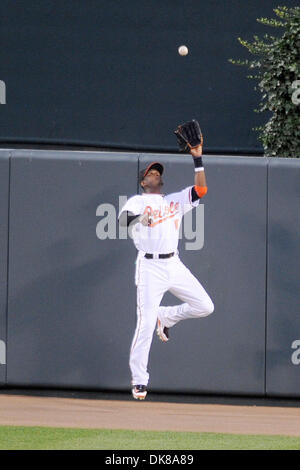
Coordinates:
[276,67]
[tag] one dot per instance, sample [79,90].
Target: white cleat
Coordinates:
[162,331]
[139,392]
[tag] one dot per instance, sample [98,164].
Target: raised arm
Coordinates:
[200,186]
[190,139]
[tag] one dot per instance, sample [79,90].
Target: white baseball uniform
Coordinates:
[154,277]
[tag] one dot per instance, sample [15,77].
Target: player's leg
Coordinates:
[151,284]
[185,286]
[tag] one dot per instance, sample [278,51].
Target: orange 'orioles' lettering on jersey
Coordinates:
[163,213]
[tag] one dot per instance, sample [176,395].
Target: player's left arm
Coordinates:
[200,186]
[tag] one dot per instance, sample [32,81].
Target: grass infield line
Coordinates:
[43,438]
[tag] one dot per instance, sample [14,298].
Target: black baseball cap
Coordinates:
[156,165]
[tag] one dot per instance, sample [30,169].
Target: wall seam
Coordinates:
[266,274]
[7,263]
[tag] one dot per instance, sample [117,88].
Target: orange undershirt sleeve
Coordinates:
[200,190]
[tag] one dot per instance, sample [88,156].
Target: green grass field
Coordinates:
[42,438]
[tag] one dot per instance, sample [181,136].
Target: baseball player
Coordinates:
[154,219]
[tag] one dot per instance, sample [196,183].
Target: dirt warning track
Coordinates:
[115,414]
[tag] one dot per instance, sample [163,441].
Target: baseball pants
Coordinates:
[153,278]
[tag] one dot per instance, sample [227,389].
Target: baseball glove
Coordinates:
[189,135]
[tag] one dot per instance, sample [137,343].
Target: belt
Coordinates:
[160,256]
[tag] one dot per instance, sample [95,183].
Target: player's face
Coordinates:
[153,180]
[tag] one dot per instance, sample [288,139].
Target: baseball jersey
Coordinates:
[166,212]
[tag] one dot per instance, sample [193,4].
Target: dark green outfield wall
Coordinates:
[67,300]
[107,73]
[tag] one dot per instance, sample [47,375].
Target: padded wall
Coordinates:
[4,205]
[283,306]
[70,292]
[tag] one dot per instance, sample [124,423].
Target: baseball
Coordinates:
[183,50]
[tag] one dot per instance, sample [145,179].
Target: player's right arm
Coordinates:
[128,218]
[133,213]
